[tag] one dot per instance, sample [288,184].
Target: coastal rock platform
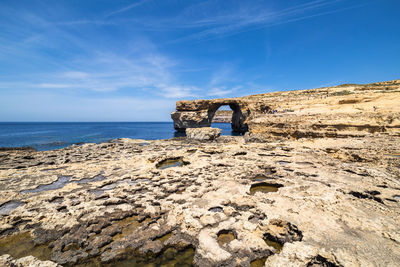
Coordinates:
[228,202]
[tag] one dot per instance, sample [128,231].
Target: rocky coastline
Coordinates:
[316,183]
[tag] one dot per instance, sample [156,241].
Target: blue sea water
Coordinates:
[55,135]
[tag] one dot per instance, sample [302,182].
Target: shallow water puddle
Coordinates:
[169,163]
[276,245]
[397,197]
[135,182]
[216,209]
[163,238]
[283,162]
[97,192]
[128,226]
[169,257]
[96,178]
[225,236]
[304,163]
[60,183]
[396,155]
[264,187]
[109,186]
[6,208]
[21,245]
[258,262]
[259,178]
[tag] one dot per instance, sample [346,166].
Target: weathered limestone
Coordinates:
[341,111]
[199,113]
[28,261]
[203,134]
[324,125]
[334,194]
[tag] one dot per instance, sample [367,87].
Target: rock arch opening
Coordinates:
[236,120]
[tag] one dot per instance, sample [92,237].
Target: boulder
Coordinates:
[203,134]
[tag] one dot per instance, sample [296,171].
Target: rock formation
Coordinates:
[340,111]
[200,113]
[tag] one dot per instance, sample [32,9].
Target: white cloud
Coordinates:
[176,91]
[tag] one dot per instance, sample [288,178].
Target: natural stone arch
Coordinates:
[238,119]
[199,113]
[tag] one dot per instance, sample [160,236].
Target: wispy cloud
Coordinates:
[91,67]
[126,8]
[86,21]
[217,18]
[246,17]
[106,72]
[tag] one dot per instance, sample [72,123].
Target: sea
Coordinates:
[56,135]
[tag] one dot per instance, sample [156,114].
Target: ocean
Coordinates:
[55,135]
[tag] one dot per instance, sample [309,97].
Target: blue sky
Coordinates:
[97,60]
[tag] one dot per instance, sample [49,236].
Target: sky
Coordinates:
[131,60]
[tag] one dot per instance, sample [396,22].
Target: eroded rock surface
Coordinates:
[186,202]
[348,110]
[203,134]
[200,113]
[8,261]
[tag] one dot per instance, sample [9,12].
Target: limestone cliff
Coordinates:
[339,111]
